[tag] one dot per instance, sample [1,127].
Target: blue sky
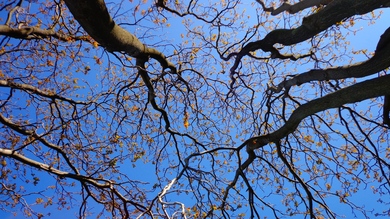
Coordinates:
[366,38]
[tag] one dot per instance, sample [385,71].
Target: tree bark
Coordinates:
[361,91]
[93,16]
[292,9]
[379,62]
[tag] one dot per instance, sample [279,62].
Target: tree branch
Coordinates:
[379,62]
[301,5]
[17,156]
[35,90]
[28,32]
[334,12]
[93,16]
[81,178]
[361,91]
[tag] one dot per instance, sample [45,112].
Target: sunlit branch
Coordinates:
[17,156]
[37,91]
[76,176]
[29,32]
[11,12]
[34,135]
[186,167]
[163,193]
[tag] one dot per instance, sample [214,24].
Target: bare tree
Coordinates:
[194,109]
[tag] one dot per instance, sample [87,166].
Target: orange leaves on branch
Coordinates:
[95,44]
[49,63]
[328,186]
[308,139]
[70,39]
[195,50]
[87,69]
[39,200]
[98,60]
[185,120]
[115,139]
[134,108]
[2,50]
[213,37]
[351,22]
[136,8]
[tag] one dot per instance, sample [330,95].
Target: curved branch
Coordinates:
[93,16]
[12,11]
[28,32]
[303,4]
[7,122]
[17,156]
[379,62]
[35,90]
[334,12]
[81,178]
[361,91]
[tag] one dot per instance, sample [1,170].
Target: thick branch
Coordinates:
[93,16]
[386,111]
[379,62]
[303,4]
[334,12]
[361,91]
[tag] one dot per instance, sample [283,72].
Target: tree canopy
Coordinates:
[195,109]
